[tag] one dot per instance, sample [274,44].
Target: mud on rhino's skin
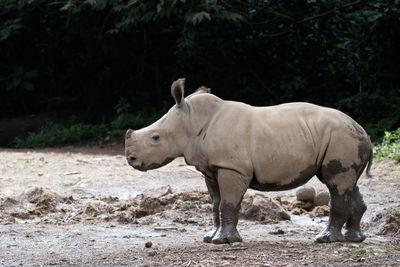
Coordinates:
[264,148]
[304,177]
[333,167]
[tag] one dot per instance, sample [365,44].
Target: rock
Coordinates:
[305,193]
[300,204]
[322,198]
[148,244]
[152,253]
[320,211]
[259,207]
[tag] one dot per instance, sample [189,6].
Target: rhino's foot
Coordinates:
[328,236]
[354,236]
[226,237]
[209,236]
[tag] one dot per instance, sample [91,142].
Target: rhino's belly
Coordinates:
[284,183]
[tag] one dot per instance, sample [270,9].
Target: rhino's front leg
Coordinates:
[232,187]
[213,190]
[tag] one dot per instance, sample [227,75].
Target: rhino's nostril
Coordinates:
[132,158]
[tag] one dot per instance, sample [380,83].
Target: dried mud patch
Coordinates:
[44,205]
[387,222]
[259,207]
[85,210]
[34,202]
[39,204]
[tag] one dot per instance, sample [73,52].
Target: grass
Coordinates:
[59,135]
[389,147]
[56,135]
[135,120]
[366,251]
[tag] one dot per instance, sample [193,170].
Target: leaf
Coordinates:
[97,4]
[67,6]
[199,17]
[231,16]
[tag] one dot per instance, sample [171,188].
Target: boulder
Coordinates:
[305,193]
[322,198]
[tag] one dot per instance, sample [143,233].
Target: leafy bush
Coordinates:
[134,121]
[341,54]
[389,147]
[126,119]
[55,135]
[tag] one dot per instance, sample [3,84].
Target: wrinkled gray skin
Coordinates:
[237,146]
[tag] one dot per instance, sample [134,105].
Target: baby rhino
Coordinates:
[237,146]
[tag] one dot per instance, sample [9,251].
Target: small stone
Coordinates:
[152,253]
[148,244]
[305,193]
[322,198]
[277,232]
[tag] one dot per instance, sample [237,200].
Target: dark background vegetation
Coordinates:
[111,62]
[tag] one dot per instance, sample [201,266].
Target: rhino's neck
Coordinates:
[203,108]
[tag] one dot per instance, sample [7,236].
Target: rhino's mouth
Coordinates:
[142,167]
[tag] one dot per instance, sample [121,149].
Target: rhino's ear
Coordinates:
[128,134]
[178,91]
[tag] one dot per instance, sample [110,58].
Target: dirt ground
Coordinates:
[82,206]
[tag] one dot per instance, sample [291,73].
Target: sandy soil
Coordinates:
[86,206]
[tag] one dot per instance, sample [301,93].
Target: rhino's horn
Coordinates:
[203,89]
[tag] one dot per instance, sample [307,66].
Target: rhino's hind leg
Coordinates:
[347,205]
[213,190]
[352,228]
[232,187]
[339,213]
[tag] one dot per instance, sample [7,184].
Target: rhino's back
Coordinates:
[290,141]
[278,144]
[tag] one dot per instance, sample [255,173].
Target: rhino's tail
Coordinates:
[367,172]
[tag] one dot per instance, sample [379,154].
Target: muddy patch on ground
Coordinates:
[69,208]
[387,222]
[38,204]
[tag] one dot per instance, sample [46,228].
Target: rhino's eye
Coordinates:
[156,137]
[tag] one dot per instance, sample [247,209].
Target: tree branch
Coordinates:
[328,12]
[294,21]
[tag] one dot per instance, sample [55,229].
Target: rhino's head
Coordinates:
[162,141]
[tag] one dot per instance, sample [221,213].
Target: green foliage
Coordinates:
[85,55]
[126,119]
[389,147]
[19,79]
[57,135]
